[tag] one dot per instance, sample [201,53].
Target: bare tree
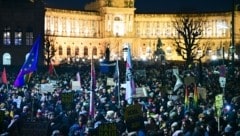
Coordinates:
[49,50]
[189,34]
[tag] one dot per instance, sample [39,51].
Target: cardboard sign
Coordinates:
[134,118]
[189,80]
[202,93]
[140,92]
[222,81]
[67,99]
[76,85]
[107,129]
[219,101]
[110,82]
[45,88]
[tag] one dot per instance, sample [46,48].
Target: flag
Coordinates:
[130,85]
[4,76]
[178,83]
[195,96]
[117,83]
[78,78]
[116,73]
[50,69]
[93,87]
[186,100]
[107,67]
[222,71]
[29,66]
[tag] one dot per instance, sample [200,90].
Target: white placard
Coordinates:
[45,88]
[110,82]
[75,85]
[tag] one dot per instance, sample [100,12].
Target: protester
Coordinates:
[164,110]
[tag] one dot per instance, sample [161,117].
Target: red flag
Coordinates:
[50,69]
[4,76]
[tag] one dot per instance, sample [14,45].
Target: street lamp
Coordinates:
[232,52]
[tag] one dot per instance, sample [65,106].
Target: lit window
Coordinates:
[60,51]
[68,51]
[18,37]
[29,38]
[95,51]
[6,59]
[76,51]
[85,53]
[7,36]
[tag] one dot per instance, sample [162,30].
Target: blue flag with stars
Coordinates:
[29,66]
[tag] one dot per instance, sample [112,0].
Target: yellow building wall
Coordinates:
[117,27]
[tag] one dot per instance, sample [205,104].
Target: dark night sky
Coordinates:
[157,6]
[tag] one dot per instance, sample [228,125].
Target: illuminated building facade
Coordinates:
[79,34]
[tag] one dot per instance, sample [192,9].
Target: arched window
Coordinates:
[6,59]
[94,51]
[60,51]
[76,51]
[26,56]
[85,53]
[68,51]
[117,19]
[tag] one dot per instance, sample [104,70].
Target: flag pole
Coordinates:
[118,86]
[91,106]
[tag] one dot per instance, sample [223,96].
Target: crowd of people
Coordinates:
[163,110]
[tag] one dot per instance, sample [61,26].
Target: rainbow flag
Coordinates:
[186,100]
[195,96]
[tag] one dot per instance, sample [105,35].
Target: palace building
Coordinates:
[80,34]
